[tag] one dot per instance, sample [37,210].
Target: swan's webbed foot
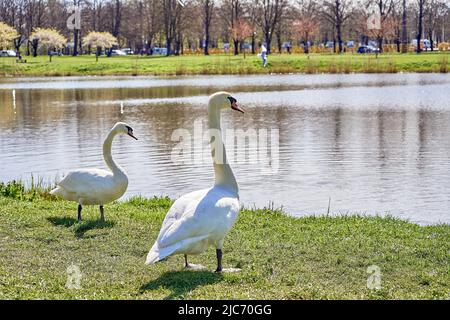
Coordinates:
[219,264]
[191,266]
[229,270]
[79,212]
[102,214]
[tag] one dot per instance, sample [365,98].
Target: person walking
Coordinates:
[264,55]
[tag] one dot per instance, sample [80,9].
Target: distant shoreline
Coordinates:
[133,65]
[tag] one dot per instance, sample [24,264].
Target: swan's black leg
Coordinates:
[79,212]
[186,264]
[219,260]
[102,215]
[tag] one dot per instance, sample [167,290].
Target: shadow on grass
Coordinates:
[181,282]
[85,226]
[62,221]
[82,227]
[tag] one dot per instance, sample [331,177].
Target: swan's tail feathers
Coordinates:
[152,257]
[156,254]
[57,191]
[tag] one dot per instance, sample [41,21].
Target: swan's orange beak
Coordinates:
[235,106]
[131,135]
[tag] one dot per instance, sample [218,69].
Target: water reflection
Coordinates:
[371,143]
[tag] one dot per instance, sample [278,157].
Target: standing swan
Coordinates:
[203,217]
[97,186]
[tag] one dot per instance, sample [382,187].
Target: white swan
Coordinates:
[96,186]
[203,217]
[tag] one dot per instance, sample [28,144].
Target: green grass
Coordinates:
[281,257]
[226,64]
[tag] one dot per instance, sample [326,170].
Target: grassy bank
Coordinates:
[281,257]
[226,64]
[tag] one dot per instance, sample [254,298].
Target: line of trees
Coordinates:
[202,25]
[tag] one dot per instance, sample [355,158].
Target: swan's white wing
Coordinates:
[209,216]
[179,207]
[86,181]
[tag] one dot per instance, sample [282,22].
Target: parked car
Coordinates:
[55,53]
[8,53]
[118,52]
[159,51]
[329,44]
[368,49]
[128,50]
[350,44]
[425,44]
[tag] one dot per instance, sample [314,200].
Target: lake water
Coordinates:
[372,144]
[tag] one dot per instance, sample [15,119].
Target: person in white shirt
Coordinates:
[264,55]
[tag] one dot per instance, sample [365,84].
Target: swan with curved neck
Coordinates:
[97,186]
[202,218]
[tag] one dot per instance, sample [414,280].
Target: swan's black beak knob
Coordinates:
[234,105]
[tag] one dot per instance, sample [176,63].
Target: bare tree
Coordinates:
[231,12]
[306,24]
[421,5]
[433,11]
[384,8]
[241,31]
[404,28]
[171,13]
[208,8]
[337,12]
[268,15]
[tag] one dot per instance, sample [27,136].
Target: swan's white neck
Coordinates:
[222,171]
[107,156]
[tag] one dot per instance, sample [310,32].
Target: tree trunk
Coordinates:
[268,38]
[404,31]
[419,33]
[253,43]
[206,50]
[339,36]
[236,47]
[168,45]
[207,13]
[117,18]
[279,43]
[75,42]
[430,36]
[34,45]
[380,43]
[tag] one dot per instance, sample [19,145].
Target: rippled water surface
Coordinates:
[373,144]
